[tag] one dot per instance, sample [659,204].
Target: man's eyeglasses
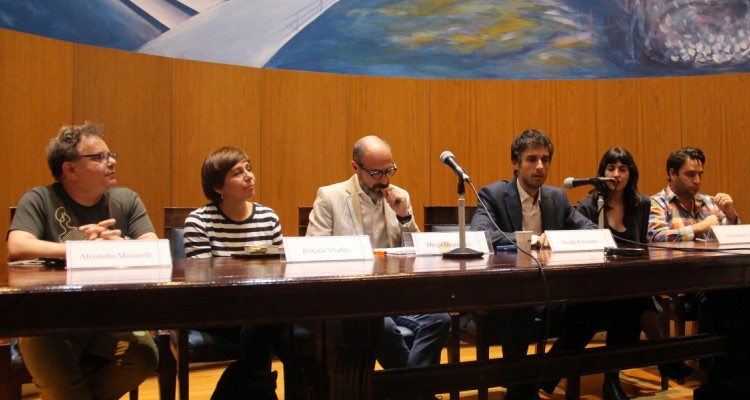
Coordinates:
[102,156]
[376,174]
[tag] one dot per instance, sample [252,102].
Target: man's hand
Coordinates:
[101,231]
[543,241]
[726,205]
[705,225]
[396,199]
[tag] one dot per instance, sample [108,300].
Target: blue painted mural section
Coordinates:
[495,39]
[523,39]
[106,23]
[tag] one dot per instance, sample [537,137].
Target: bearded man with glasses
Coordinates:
[83,204]
[367,204]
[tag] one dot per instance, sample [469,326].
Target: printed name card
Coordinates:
[85,276]
[318,269]
[571,257]
[327,248]
[117,253]
[580,240]
[436,243]
[731,234]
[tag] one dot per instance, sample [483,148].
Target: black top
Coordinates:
[635,220]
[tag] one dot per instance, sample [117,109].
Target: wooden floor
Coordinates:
[641,384]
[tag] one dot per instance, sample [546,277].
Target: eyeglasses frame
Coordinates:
[101,157]
[384,172]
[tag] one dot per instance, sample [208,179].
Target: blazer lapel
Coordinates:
[549,211]
[513,205]
[354,205]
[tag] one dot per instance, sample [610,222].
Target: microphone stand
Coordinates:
[462,251]
[600,203]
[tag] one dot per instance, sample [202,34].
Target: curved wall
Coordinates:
[164,115]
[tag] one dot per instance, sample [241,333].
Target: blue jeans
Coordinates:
[430,333]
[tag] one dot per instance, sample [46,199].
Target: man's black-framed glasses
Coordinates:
[376,174]
[102,156]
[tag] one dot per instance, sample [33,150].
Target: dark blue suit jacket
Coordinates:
[504,206]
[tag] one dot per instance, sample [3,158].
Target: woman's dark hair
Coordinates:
[215,168]
[612,156]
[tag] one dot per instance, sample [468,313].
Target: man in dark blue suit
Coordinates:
[524,203]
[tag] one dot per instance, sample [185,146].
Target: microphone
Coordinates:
[571,183]
[448,159]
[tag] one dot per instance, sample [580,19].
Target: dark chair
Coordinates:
[189,345]
[13,372]
[303,218]
[176,243]
[445,218]
[677,309]
[174,218]
[199,345]
[473,328]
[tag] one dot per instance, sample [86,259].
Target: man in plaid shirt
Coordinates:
[680,212]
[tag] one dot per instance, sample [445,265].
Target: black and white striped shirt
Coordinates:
[210,233]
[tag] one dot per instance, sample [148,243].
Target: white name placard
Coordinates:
[439,264]
[731,234]
[327,248]
[580,240]
[566,258]
[117,253]
[85,276]
[317,269]
[434,243]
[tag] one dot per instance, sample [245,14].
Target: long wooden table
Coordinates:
[204,292]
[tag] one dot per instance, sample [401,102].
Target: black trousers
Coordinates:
[580,322]
[727,376]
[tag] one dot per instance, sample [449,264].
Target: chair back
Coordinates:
[303,216]
[174,222]
[177,243]
[174,217]
[445,218]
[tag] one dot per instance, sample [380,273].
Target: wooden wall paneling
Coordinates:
[643,116]
[303,139]
[473,119]
[213,105]
[716,118]
[563,110]
[130,95]
[397,110]
[36,83]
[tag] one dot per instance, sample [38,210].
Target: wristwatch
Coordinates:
[405,219]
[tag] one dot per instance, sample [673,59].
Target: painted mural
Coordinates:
[500,39]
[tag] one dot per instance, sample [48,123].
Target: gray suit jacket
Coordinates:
[337,212]
[504,205]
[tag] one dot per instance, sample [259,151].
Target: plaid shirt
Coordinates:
[671,222]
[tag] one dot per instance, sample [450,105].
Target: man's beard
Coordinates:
[374,192]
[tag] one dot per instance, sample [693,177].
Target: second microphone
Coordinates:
[448,159]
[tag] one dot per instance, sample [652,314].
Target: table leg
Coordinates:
[355,361]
